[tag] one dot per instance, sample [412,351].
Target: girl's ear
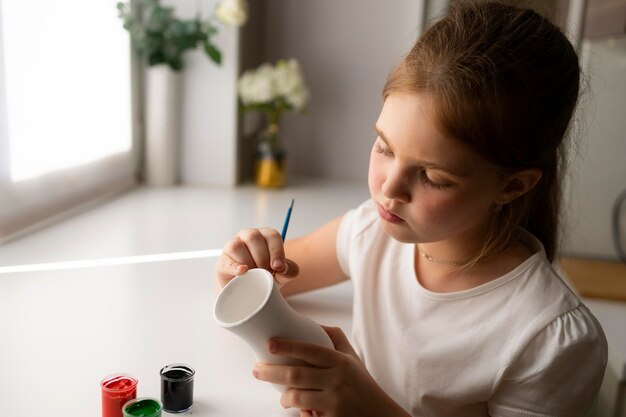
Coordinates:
[518,184]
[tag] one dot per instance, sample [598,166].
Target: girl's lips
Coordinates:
[387,215]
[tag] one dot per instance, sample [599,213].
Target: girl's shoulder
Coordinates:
[557,371]
[552,340]
[550,306]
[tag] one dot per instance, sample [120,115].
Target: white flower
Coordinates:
[232,12]
[298,98]
[269,83]
[257,86]
[290,83]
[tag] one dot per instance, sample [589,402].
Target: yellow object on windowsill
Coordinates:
[270,172]
[269,168]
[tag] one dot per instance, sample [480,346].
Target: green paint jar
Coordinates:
[142,407]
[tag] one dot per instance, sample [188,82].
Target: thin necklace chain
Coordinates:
[439,260]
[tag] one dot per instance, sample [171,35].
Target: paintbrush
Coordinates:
[283,234]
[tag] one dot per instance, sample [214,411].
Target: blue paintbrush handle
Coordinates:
[283,234]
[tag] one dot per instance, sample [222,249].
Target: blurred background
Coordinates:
[191,106]
[74,95]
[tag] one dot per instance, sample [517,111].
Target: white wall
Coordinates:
[4,144]
[346,49]
[209,122]
[598,170]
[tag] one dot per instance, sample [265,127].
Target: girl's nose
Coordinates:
[397,186]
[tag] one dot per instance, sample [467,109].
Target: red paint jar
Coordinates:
[117,389]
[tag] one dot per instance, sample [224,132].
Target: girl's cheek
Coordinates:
[439,209]
[437,214]
[375,176]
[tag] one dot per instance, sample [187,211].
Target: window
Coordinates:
[65,107]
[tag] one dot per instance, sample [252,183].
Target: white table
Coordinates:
[63,331]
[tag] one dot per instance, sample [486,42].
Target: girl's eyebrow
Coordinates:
[381,135]
[425,164]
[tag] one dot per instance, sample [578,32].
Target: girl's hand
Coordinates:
[335,384]
[255,248]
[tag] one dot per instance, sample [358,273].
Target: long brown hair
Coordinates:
[505,82]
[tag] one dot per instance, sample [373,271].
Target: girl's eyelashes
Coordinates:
[427,181]
[379,148]
[422,173]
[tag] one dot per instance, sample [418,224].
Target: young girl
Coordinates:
[457,309]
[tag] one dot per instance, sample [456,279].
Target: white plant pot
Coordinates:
[163,115]
[252,307]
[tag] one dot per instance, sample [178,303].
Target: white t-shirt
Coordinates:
[522,345]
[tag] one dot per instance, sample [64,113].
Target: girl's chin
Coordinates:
[399,233]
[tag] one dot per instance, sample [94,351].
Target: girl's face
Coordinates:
[428,187]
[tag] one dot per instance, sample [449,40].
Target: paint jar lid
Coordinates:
[118,383]
[177,372]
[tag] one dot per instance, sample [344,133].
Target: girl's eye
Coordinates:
[422,174]
[379,148]
[427,181]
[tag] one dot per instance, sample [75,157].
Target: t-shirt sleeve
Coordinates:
[559,372]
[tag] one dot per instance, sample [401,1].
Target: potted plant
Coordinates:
[272,90]
[162,39]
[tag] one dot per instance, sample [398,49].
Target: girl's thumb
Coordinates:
[340,340]
[289,272]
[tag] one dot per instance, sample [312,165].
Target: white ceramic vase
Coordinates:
[163,114]
[252,307]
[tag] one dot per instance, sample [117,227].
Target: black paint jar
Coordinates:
[177,387]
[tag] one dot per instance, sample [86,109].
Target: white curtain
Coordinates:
[65,110]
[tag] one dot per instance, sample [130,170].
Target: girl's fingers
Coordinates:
[227,268]
[290,271]
[305,377]
[313,354]
[238,251]
[302,399]
[276,249]
[340,340]
[233,267]
[256,246]
[235,260]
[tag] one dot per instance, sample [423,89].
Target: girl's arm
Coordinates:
[316,256]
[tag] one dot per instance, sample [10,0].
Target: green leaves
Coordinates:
[213,52]
[162,38]
[273,110]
